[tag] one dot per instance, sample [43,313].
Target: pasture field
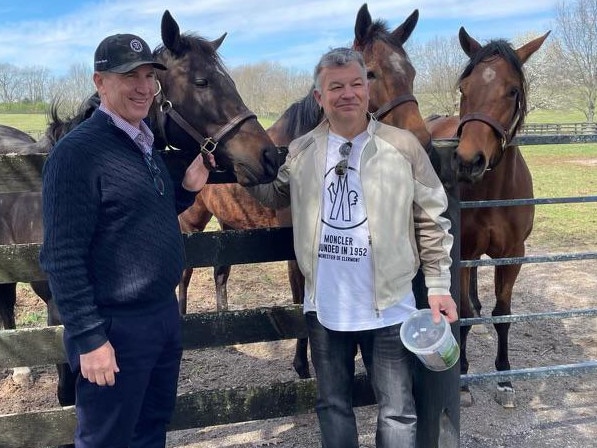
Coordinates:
[555,116]
[34,124]
[558,171]
[564,171]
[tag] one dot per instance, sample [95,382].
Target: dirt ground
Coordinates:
[551,412]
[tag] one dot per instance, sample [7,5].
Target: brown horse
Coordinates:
[391,76]
[198,98]
[492,109]
[235,208]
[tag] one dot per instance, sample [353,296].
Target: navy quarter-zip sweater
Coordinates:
[112,245]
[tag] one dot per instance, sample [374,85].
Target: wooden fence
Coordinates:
[437,393]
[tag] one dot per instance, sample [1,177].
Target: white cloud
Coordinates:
[293,33]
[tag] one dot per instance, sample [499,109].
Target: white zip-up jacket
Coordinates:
[404,199]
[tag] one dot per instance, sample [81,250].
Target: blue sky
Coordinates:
[58,33]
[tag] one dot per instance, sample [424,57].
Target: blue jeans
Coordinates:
[389,367]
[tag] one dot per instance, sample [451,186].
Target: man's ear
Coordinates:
[98,80]
[317,96]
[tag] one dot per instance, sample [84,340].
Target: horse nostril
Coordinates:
[478,164]
[271,162]
[468,170]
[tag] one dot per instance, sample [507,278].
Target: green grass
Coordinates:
[32,319]
[266,122]
[564,171]
[37,123]
[555,116]
[34,124]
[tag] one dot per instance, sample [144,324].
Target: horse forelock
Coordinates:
[379,31]
[502,49]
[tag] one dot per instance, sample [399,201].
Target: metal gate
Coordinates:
[536,372]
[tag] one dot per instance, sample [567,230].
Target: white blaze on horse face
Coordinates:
[397,62]
[488,75]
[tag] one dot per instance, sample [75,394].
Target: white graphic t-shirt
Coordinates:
[344,295]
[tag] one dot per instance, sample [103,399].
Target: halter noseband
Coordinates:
[207,145]
[505,134]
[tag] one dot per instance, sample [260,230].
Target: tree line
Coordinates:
[561,75]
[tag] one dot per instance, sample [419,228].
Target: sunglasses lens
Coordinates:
[341,167]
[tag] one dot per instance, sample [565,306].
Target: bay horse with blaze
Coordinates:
[488,166]
[391,77]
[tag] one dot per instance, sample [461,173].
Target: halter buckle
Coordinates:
[165,106]
[208,146]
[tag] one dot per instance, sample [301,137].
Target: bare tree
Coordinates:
[577,31]
[268,88]
[438,63]
[10,83]
[36,81]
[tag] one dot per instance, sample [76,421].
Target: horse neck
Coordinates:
[411,120]
[509,179]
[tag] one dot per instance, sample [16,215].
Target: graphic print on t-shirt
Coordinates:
[345,233]
[344,209]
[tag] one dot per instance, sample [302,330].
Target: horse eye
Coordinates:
[370,75]
[201,82]
[514,92]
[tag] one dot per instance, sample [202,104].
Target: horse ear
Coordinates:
[403,32]
[361,27]
[216,43]
[468,44]
[528,49]
[170,32]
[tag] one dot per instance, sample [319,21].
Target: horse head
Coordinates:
[390,72]
[199,108]
[492,104]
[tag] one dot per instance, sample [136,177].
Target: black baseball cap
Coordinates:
[122,53]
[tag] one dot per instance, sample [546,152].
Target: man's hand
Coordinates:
[197,173]
[99,365]
[443,305]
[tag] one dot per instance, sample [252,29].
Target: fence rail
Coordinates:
[44,345]
[558,128]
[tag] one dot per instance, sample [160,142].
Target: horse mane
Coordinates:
[501,48]
[58,126]
[302,116]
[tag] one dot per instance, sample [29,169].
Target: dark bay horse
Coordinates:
[198,107]
[391,75]
[492,109]
[12,139]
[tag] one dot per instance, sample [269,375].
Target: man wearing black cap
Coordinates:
[113,254]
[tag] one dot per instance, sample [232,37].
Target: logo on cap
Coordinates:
[136,46]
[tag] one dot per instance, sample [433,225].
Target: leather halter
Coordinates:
[387,107]
[505,134]
[390,105]
[207,145]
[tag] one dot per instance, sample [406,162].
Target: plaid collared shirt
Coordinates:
[143,137]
